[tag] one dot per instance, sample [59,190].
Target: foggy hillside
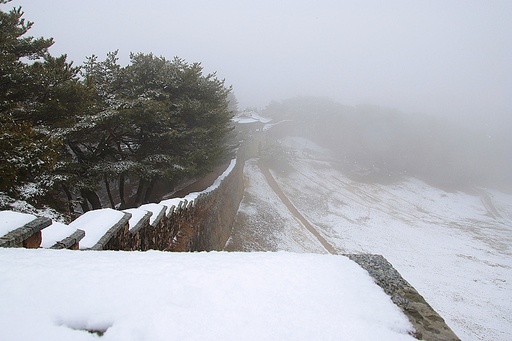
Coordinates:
[390,143]
[452,246]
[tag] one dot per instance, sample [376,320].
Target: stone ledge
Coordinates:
[69,241]
[429,325]
[19,235]
[158,213]
[100,245]
[141,223]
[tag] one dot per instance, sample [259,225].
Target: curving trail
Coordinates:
[277,190]
[487,202]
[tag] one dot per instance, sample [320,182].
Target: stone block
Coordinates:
[71,242]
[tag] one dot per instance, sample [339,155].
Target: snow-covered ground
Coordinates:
[59,294]
[454,248]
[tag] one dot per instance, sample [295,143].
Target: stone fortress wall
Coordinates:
[199,222]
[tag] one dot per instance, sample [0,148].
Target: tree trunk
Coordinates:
[70,198]
[92,197]
[121,191]
[85,206]
[149,190]
[136,201]
[107,186]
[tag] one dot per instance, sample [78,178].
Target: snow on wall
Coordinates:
[192,296]
[19,229]
[137,219]
[10,221]
[157,212]
[190,198]
[97,224]
[55,233]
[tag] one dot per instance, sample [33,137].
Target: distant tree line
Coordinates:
[385,141]
[69,131]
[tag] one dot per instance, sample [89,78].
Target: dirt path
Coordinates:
[284,199]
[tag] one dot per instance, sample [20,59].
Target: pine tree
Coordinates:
[162,120]
[26,156]
[14,77]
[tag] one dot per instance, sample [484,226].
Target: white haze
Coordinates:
[447,58]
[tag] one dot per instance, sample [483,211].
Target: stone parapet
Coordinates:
[71,242]
[429,325]
[200,222]
[205,223]
[29,235]
[116,236]
[153,237]
[138,225]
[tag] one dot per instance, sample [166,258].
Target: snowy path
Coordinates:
[487,202]
[275,187]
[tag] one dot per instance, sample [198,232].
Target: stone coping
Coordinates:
[100,245]
[139,218]
[429,325]
[158,213]
[69,241]
[17,236]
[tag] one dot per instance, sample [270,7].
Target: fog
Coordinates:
[446,58]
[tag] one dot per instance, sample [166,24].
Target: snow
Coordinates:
[137,215]
[245,120]
[302,145]
[194,195]
[10,220]
[172,202]
[95,224]
[55,233]
[263,214]
[250,117]
[269,126]
[53,295]
[155,209]
[449,246]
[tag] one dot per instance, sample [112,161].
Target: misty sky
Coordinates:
[449,58]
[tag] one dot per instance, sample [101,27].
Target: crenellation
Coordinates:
[28,235]
[115,237]
[71,242]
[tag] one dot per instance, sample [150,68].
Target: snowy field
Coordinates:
[454,248]
[60,294]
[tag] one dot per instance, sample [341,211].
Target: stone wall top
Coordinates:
[69,241]
[429,325]
[99,226]
[190,199]
[60,234]
[157,210]
[138,219]
[18,235]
